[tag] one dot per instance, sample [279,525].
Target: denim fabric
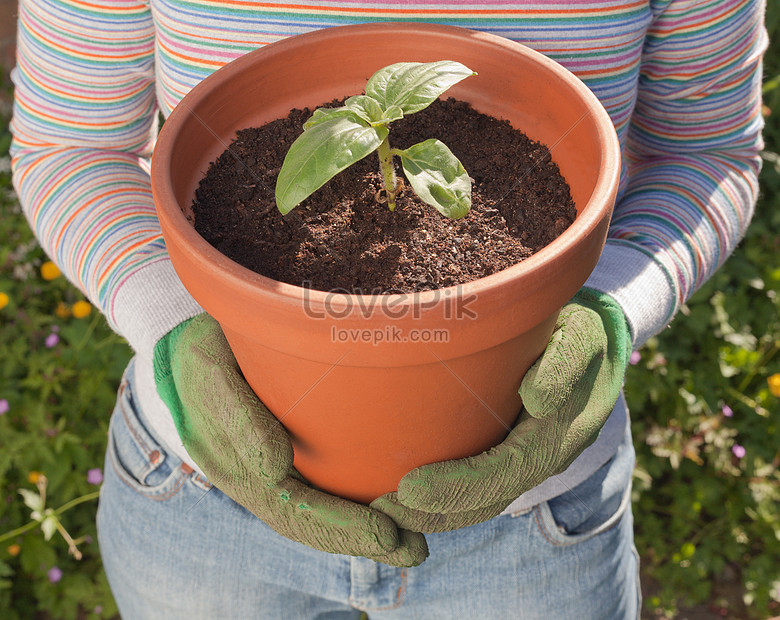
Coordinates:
[175,547]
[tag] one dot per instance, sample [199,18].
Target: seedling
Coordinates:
[335,138]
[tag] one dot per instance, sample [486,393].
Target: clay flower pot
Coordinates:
[443,382]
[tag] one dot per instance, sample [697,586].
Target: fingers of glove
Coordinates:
[537,445]
[225,417]
[323,521]
[411,550]
[459,484]
[580,434]
[556,443]
[433,522]
[569,364]
[240,479]
[502,473]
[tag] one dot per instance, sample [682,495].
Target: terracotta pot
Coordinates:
[361,415]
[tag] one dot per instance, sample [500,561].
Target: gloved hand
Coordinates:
[568,394]
[246,452]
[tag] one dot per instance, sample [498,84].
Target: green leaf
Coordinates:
[438,177]
[49,526]
[322,115]
[413,86]
[37,552]
[366,108]
[31,499]
[5,571]
[320,153]
[393,113]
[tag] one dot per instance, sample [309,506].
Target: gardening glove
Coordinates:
[567,394]
[246,452]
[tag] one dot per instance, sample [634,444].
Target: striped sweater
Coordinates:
[679,78]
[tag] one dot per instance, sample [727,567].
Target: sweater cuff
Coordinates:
[644,289]
[149,304]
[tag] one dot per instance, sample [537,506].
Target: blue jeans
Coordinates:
[175,547]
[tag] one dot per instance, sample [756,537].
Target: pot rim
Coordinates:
[241,277]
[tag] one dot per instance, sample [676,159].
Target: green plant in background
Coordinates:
[335,138]
[49,518]
[60,366]
[705,398]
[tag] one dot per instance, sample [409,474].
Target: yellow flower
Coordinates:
[62,310]
[81,309]
[14,550]
[50,271]
[4,299]
[33,477]
[774,384]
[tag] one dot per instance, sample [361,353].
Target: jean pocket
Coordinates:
[591,507]
[556,532]
[138,459]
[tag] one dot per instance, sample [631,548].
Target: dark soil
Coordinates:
[340,238]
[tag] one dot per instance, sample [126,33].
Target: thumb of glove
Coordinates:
[585,359]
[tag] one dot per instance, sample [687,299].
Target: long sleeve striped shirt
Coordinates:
[679,78]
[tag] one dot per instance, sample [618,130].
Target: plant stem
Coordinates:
[75,502]
[767,357]
[748,401]
[18,531]
[388,171]
[93,324]
[64,508]
[72,548]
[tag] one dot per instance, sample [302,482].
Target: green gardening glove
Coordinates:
[246,452]
[568,394]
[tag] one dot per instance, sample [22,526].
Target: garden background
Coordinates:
[704,397]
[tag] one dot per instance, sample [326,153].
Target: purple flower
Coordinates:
[52,340]
[94,476]
[739,451]
[55,574]
[635,357]
[98,610]
[4,406]
[727,411]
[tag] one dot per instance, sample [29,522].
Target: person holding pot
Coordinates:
[202,514]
